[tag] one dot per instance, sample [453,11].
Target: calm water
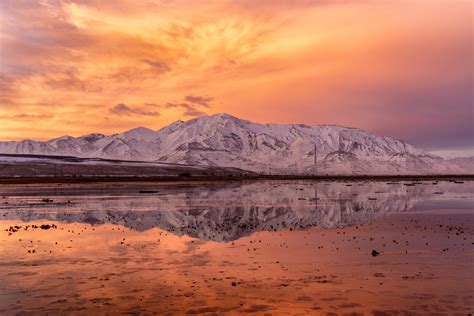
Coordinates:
[230,247]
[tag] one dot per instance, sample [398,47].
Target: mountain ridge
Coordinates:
[223,140]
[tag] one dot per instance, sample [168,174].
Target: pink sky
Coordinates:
[397,68]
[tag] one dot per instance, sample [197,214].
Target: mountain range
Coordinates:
[222,140]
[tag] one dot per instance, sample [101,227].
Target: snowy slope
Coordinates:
[226,141]
[465,163]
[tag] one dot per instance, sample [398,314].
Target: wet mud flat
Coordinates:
[417,261]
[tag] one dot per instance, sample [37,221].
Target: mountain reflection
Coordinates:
[221,211]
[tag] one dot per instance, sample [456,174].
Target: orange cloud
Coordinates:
[123,109]
[370,64]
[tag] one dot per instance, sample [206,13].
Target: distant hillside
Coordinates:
[223,140]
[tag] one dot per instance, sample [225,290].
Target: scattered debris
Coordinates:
[375,253]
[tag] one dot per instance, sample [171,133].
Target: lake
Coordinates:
[266,247]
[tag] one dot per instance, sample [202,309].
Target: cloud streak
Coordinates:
[122,109]
[200,100]
[27,117]
[188,109]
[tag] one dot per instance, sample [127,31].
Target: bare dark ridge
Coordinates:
[194,179]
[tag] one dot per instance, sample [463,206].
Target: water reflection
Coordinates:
[223,211]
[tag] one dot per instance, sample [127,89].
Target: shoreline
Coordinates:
[191,179]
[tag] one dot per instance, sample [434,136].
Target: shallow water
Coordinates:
[238,247]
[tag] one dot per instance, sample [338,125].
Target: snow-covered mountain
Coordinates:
[226,141]
[465,163]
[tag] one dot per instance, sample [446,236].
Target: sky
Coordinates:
[398,68]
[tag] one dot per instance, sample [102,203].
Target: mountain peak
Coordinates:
[140,129]
[140,132]
[224,116]
[65,137]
